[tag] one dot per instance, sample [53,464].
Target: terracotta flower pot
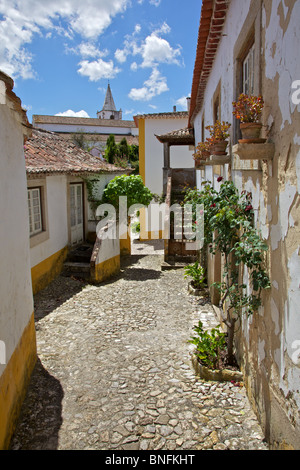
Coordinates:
[251,132]
[219,148]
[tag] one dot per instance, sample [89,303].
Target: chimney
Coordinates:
[174,109]
[188,102]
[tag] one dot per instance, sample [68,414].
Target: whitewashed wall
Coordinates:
[16,304]
[57,204]
[180,156]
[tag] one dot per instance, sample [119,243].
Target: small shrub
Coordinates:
[196,272]
[209,345]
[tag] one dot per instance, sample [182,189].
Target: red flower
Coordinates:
[249,208]
[220,179]
[213,205]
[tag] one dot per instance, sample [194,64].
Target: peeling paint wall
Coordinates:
[269,341]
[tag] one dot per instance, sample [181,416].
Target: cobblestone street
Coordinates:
[114,369]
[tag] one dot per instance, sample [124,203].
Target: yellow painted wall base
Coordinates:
[125,246]
[106,269]
[159,235]
[43,273]
[14,382]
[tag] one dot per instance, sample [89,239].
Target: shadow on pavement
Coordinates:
[41,415]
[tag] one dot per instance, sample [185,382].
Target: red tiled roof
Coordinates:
[170,115]
[213,15]
[49,153]
[179,137]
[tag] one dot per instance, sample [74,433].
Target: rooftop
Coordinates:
[80,121]
[179,137]
[49,153]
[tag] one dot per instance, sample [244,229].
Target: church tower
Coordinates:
[109,110]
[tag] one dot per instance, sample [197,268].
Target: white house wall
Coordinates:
[180,156]
[15,286]
[57,220]
[69,128]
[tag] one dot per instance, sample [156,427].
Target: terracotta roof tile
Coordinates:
[49,153]
[179,137]
[213,16]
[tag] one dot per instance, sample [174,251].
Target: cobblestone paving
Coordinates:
[114,370]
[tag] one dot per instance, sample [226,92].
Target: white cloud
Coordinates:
[134,66]
[153,49]
[71,113]
[24,19]
[88,49]
[130,46]
[154,86]
[158,50]
[182,103]
[97,69]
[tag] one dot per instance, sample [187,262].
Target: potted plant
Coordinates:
[203,152]
[218,139]
[248,109]
[197,273]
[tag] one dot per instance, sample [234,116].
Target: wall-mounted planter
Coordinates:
[214,160]
[258,151]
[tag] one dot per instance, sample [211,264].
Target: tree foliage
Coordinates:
[131,186]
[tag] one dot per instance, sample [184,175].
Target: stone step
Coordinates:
[81,254]
[76,269]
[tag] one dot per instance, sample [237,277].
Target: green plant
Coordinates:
[248,108]
[111,150]
[136,227]
[203,151]
[229,229]
[131,186]
[218,132]
[197,273]
[209,345]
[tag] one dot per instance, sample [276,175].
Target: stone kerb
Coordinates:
[105,259]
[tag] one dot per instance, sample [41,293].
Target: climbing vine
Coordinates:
[229,229]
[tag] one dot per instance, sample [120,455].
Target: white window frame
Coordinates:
[248,72]
[35,210]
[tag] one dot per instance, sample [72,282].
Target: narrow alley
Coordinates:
[114,369]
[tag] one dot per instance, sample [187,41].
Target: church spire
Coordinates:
[109,110]
[109,104]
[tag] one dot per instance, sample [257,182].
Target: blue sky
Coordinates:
[62,53]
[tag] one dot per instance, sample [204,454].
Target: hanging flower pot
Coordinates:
[248,109]
[251,132]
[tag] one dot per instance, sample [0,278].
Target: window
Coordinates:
[248,72]
[35,211]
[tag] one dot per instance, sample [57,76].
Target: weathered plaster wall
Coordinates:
[17,332]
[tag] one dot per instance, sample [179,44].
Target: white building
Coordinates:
[59,175]
[17,328]
[252,46]
[96,130]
